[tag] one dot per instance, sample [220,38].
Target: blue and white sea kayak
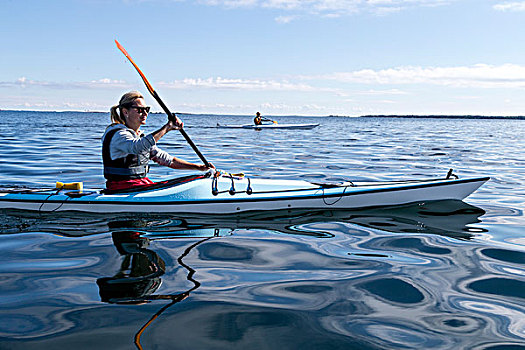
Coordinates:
[269,126]
[228,194]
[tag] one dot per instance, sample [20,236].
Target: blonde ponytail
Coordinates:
[116,116]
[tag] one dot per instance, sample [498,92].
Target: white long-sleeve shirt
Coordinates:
[127,141]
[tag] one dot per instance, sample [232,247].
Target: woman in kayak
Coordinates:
[126,150]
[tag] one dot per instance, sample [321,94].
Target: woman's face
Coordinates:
[137,113]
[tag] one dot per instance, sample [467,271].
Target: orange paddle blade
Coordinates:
[148,85]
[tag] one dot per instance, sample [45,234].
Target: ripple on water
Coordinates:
[499,286]
[505,255]
[393,290]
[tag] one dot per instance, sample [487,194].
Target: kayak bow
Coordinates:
[229,194]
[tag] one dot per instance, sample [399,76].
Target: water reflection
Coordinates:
[383,278]
[447,218]
[139,276]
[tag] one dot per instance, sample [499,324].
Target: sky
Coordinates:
[279,57]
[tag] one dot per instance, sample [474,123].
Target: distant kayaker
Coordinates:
[126,151]
[258,120]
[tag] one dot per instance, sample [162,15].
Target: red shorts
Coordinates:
[125,184]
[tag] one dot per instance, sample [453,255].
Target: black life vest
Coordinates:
[133,166]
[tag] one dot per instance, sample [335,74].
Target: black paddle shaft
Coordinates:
[172,118]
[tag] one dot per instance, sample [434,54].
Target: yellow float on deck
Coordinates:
[70,186]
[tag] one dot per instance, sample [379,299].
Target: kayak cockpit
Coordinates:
[159,185]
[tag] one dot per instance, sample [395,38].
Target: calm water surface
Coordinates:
[444,275]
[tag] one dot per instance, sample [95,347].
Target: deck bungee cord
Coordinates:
[232,177]
[77,186]
[337,200]
[47,198]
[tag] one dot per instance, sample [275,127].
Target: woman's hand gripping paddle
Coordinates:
[161,103]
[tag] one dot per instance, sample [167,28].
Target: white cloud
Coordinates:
[475,76]
[267,107]
[510,6]
[230,3]
[217,83]
[238,84]
[23,82]
[479,75]
[285,19]
[383,92]
[329,8]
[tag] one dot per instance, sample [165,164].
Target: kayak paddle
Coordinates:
[269,120]
[161,103]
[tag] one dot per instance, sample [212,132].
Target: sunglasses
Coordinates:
[141,109]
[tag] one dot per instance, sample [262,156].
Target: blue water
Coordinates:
[445,275]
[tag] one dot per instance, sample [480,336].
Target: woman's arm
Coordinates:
[175,125]
[180,164]
[164,158]
[125,142]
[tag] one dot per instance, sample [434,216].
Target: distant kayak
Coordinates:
[269,126]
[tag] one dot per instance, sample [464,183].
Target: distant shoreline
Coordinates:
[445,116]
[419,116]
